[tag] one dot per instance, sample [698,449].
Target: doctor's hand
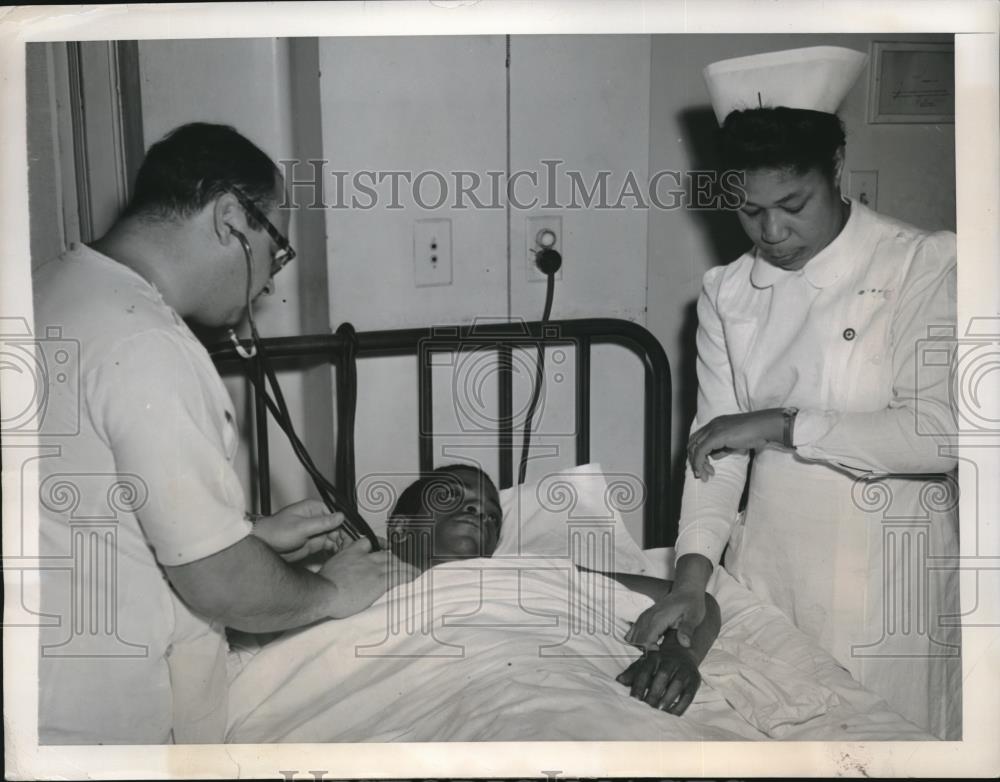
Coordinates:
[733,433]
[666,678]
[362,576]
[682,609]
[302,529]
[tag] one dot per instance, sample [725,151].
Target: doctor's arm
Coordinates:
[914,434]
[302,529]
[167,433]
[248,587]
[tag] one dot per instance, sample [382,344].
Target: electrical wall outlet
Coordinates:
[862,186]
[534,226]
[432,252]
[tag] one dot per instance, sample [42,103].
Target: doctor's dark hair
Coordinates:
[799,140]
[196,163]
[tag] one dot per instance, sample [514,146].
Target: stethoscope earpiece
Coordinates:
[241,351]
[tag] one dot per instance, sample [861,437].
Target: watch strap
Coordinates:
[788,432]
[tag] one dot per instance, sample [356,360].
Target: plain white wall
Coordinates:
[916,182]
[585,100]
[438,104]
[409,104]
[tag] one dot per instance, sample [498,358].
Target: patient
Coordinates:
[454,513]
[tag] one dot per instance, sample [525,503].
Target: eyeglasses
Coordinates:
[285,252]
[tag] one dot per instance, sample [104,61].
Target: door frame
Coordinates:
[105,107]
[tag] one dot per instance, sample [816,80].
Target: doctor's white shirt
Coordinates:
[140,436]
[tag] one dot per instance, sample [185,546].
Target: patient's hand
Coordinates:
[302,529]
[666,678]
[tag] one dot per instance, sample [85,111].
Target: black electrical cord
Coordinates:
[549,261]
[354,524]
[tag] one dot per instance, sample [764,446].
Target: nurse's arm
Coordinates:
[705,632]
[915,433]
[709,509]
[667,677]
[247,586]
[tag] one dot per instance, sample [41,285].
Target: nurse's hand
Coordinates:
[302,529]
[733,433]
[362,576]
[682,609]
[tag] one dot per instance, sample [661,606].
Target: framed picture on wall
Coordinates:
[912,82]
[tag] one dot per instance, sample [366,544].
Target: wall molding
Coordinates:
[106,113]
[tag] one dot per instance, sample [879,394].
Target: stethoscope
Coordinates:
[354,524]
[254,337]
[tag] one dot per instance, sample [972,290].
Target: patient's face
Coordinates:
[462,508]
[467,523]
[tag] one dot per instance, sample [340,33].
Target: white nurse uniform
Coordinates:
[844,531]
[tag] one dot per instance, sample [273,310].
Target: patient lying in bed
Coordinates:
[524,646]
[454,514]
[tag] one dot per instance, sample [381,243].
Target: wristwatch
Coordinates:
[788,433]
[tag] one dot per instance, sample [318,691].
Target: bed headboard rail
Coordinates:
[343,347]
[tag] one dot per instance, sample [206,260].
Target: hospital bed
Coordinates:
[525,646]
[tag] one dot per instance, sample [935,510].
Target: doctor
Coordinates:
[142,436]
[809,356]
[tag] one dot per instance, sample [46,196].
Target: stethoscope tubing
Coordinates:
[354,524]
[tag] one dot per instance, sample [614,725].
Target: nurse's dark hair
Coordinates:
[428,494]
[799,140]
[196,163]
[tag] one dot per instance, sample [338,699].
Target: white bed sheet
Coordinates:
[528,649]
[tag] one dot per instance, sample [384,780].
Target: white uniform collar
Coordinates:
[824,268]
[141,285]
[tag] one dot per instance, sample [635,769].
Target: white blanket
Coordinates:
[528,649]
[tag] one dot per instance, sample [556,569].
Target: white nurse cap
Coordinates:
[817,78]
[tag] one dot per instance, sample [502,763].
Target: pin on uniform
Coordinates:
[770,337]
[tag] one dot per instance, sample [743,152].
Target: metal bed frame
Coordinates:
[345,346]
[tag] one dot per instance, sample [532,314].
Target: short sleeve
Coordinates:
[163,415]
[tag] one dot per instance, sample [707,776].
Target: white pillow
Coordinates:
[574,513]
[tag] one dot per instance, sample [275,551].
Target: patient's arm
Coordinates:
[657,588]
[667,678]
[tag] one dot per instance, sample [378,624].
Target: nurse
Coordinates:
[810,357]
